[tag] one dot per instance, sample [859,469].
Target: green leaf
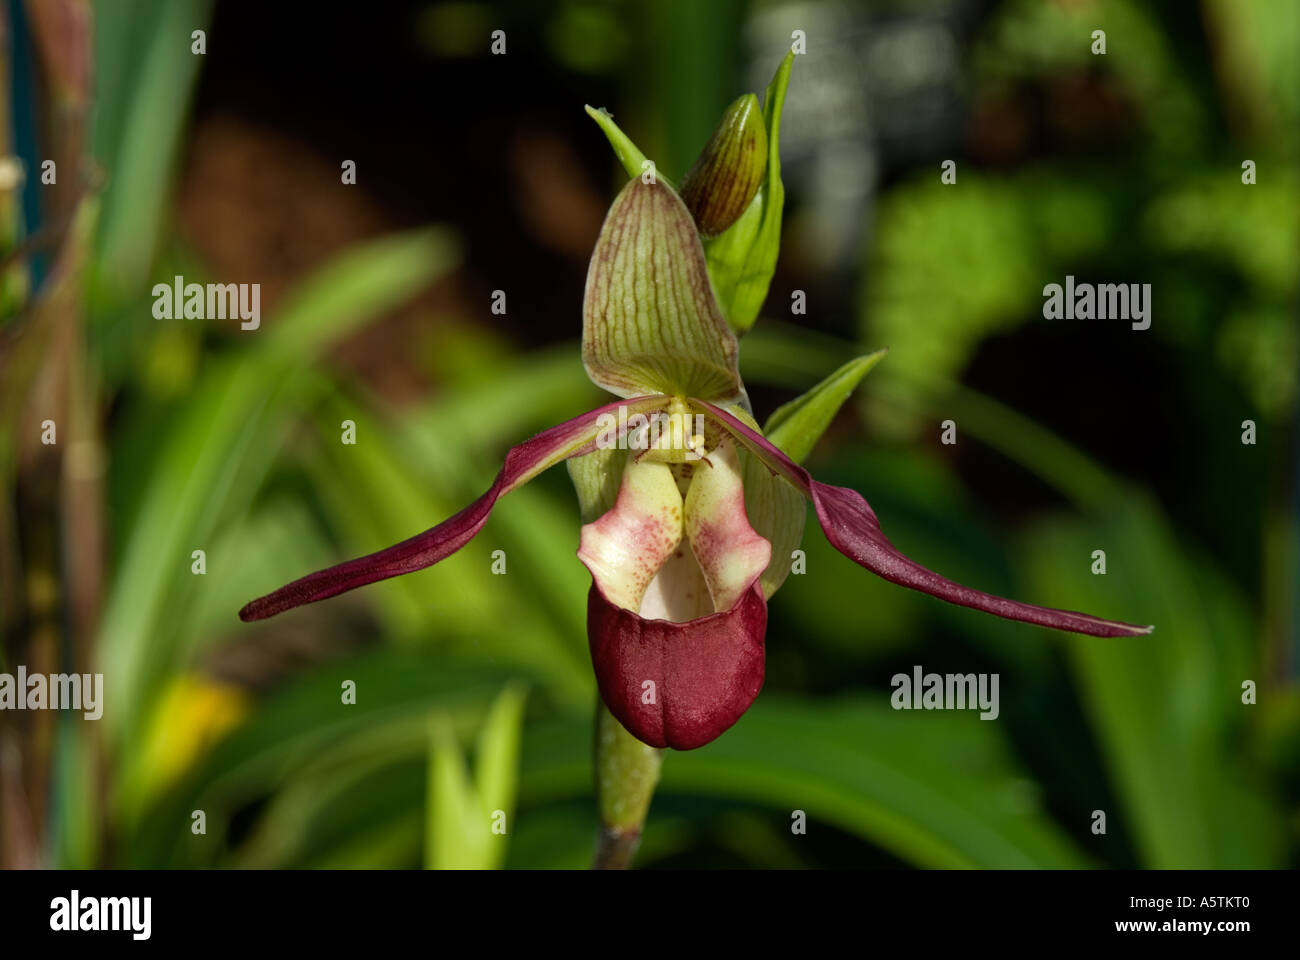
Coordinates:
[357,811]
[530,620]
[1167,709]
[934,788]
[303,733]
[462,813]
[496,769]
[457,828]
[145,72]
[651,324]
[938,789]
[798,425]
[742,259]
[220,446]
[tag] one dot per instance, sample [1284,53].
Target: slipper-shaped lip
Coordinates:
[678,685]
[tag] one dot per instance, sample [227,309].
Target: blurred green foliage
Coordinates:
[1169,202]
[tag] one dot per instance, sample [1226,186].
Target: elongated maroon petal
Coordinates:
[568,439]
[678,685]
[852,528]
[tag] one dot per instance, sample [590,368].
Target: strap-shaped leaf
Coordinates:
[462,810]
[650,321]
[797,426]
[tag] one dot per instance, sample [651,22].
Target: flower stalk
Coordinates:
[626,774]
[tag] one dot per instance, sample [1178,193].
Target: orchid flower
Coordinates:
[692,513]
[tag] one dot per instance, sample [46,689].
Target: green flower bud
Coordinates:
[729,171]
[734,195]
[742,258]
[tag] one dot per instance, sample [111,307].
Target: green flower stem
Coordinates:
[626,772]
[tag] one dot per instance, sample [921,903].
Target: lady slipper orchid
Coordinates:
[692,511]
